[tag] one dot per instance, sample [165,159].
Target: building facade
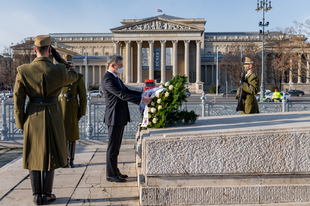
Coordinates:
[159,48]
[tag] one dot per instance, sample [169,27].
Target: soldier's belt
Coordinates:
[68,96]
[44,100]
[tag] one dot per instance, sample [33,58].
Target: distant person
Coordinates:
[276,96]
[117,96]
[42,121]
[73,100]
[250,88]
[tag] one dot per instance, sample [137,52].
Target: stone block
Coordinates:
[256,159]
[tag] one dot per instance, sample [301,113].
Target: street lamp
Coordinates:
[86,68]
[265,6]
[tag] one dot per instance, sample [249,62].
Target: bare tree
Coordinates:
[233,63]
[283,60]
[23,53]
[8,72]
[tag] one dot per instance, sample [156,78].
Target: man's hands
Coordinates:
[146,100]
[56,55]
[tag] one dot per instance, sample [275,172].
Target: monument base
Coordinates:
[257,159]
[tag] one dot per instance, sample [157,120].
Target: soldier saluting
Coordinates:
[250,87]
[42,122]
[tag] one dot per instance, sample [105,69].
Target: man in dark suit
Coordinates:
[117,96]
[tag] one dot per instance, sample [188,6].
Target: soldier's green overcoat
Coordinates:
[251,87]
[42,123]
[72,107]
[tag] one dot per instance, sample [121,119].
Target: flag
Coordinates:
[159,10]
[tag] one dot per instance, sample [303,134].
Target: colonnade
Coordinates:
[128,58]
[93,76]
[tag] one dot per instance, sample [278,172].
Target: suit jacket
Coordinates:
[117,97]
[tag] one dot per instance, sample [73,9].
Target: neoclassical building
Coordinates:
[158,48]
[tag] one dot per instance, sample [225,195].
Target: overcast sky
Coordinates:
[27,18]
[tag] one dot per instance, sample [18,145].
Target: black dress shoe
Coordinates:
[37,199]
[122,175]
[48,199]
[116,179]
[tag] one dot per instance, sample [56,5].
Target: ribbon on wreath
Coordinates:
[143,108]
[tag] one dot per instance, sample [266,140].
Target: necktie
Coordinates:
[119,81]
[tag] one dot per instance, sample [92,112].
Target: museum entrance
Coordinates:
[157,76]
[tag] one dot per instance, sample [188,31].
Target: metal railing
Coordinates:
[92,126]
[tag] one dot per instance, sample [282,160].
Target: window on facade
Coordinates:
[209,53]
[96,54]
[168,56]
[145,56]
[107,54]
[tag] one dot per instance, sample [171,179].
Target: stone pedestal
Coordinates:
[199,87]
[242,159]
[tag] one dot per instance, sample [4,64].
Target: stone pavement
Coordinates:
[83,185]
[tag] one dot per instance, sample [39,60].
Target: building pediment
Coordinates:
[157,24]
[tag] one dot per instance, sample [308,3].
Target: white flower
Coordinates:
[154,120]
[170,87]
[160,107]
[161,86]
[167,84]
[167,94]
[153,110]
[149,115]
[157,95]
[149,122]
[152,103]
[158,101]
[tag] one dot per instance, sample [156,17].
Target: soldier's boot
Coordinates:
[68,158]
[35,179]
[72,153]
[48,179]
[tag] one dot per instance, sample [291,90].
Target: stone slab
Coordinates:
[224,195]
[258,159]
[11,175]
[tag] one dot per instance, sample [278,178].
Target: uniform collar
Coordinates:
[249,74]
[41,59]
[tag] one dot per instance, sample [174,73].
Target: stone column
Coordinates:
[291,70]
[212,73]
[308,67]
[151,59]
[163,61]
[175,57]
[139,62]
[80,69]
[299,68]
[128,62]
[100,73]
[198,62]
[186,59]
[116,48]
[94,74]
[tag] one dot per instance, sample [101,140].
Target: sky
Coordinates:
[20,19]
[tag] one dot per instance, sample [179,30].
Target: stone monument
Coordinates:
[227,160]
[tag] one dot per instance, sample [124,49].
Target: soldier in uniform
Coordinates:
[42,121]
[73,108]
[250,88]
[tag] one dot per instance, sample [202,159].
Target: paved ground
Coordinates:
[84,185]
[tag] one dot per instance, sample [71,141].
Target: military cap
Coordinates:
[42,40]
[248,60]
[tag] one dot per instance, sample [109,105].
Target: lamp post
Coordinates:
[86,68]
[265,6]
